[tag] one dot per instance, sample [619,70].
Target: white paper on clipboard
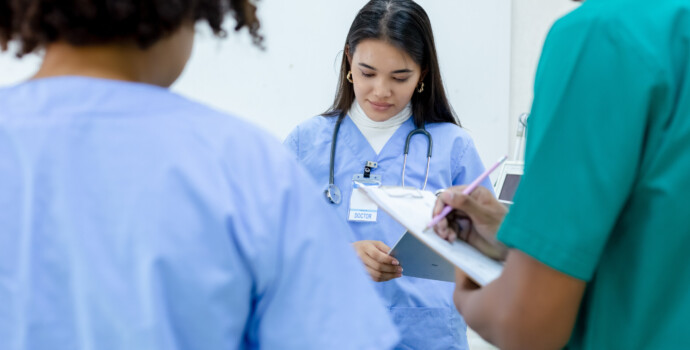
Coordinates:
[413,209]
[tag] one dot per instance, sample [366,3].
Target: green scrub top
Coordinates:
[604,196]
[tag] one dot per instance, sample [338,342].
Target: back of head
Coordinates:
[35,24]
[405,25]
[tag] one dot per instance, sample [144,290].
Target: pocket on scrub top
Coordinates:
[429,328]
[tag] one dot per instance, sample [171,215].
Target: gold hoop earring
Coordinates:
[349,76]
[421,87]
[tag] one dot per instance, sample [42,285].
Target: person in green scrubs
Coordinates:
[598,236]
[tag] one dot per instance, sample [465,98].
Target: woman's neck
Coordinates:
[378,133]
[116,62]
[358,115]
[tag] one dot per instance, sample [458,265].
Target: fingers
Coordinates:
[445,231]
[450,232]
[380,261]
[463,228]
[457,200]
[381,266]
[438,207]
[379,252]
[442,229]
[484,211]
[452,236]
[387,268]
[379,276]
[382,252]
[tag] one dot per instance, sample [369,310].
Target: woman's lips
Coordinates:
[380,106]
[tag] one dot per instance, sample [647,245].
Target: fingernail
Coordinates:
[395,262]
[445,195]
[400,270]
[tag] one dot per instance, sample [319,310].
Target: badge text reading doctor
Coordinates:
[362,208]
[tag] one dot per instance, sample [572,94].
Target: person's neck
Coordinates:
[362,119]
[109,61]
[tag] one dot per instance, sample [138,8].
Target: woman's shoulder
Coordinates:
[319,121]
[309,134]
[314,126]
[449,132]
[453,141]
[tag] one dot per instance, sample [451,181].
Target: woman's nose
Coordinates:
[382,89]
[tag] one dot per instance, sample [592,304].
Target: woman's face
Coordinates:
[384,78]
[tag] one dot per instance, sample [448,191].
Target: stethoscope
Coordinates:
[333,192]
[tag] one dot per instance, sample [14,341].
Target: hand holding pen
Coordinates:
[466,191]
[474,215]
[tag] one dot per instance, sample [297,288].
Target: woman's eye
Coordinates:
[367,75]
[402,80]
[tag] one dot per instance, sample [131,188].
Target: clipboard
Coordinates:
[421,252]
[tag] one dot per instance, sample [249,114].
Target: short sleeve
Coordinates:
[467,165]
[584,142]
[291,142]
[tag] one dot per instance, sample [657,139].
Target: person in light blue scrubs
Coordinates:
[133,218]
[390,85]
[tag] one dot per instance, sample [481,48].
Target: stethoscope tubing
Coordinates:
[331,175]
[428,153]
[333,192]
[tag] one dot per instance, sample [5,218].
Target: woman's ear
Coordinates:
[423,75]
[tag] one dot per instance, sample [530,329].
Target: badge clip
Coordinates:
[367,168]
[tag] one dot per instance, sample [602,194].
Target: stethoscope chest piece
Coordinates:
[333,194]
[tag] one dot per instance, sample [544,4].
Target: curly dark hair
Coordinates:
[37,23]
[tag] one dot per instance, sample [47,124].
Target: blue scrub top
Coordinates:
[132,218]
[422,309]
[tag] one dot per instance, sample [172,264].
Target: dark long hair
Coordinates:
[405,25]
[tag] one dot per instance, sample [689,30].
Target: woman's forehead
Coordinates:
[381,55]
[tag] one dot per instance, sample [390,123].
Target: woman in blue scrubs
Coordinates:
[134,218]
[390,85]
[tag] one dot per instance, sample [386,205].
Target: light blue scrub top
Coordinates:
[132,218]
[422,309]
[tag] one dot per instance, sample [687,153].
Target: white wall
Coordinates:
[532,19]
[295,78]
[488,52]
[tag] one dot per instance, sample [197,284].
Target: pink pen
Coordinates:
[447,209]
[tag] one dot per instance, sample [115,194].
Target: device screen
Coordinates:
[509,187]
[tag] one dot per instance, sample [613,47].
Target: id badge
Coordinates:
[363,209]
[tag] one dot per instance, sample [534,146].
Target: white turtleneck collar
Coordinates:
[378,133]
